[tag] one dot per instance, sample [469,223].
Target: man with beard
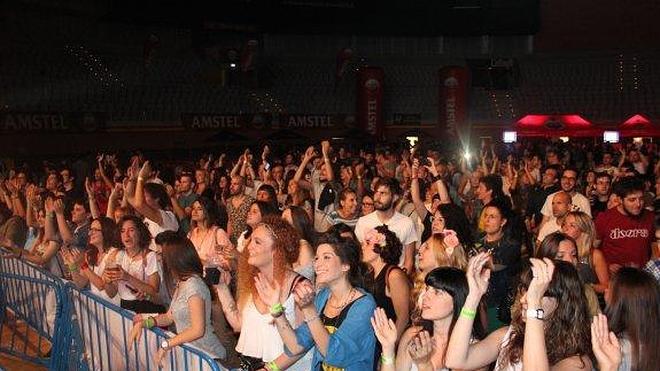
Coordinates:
[387,194]
[238,205]
[625,232]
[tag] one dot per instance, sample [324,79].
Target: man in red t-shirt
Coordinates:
[626,232]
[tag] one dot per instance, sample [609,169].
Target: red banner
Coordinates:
[370,100]
[453,98]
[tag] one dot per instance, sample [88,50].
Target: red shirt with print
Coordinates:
[625,240]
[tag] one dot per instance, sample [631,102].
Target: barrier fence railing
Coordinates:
[85,332]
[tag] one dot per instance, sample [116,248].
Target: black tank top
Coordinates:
[379,291]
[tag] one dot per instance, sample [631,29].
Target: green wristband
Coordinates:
[468,313]
[276,310]
[272,366]
[149,322]
[386,360]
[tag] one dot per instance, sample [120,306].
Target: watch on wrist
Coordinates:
[535,313]
[165,345]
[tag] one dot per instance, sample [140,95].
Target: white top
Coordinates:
[98,270]
[241,242]
[400,224]
[502,364]
[140,269]
[170,223]
[579,201]
[550,227]
[259,337]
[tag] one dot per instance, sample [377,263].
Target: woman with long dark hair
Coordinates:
[444,295]
[135,273]
[559,246]
[633,313]
[190,309]
[208,235]
[336,319]
[300,221]
[88,267]
[549,326]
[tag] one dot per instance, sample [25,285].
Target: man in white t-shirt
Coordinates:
[387,194]
[578,201]
[561,205]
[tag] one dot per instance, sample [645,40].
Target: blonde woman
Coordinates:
[592,265]
[440,250]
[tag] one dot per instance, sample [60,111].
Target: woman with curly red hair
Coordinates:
[272,250]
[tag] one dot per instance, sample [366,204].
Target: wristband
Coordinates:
[276,310]
[385,360]
[149,322]
[308,320]
[272,366]
[73,268]
[468,313]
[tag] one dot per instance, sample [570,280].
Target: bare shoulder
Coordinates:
[573,363]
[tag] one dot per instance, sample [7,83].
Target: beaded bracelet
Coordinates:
[308,320]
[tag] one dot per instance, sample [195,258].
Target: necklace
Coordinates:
[349,296]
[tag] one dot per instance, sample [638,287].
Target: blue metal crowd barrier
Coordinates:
[38,310]
[105,329]
[88,333]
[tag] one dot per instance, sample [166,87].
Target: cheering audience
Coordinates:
[474,263]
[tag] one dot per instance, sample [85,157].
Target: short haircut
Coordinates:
[391,183]
[625,186]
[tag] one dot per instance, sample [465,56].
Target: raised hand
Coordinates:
[145,171]
[304,294]
[58,206]
[385,330]
[170,190]
[478,274]
[414,169]
[605,345]
[325,148]
[269,292]
[432,168]
[360,170]
[542,271]
[421,348]
[88,187]
[309,153]
[134,169]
